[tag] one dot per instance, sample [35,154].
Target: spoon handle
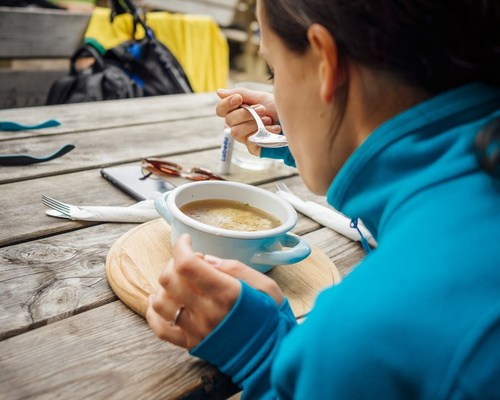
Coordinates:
[260,124]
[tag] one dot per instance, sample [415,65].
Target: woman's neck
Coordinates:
[375,98]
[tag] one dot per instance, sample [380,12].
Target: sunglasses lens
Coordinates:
[148,174]
[153,169]
[198,177]
[209,174]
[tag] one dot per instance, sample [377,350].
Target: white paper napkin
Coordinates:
[327,217]
[142,211]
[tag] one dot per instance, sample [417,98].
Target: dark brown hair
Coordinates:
[435,45]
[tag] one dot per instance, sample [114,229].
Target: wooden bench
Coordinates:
[35,46]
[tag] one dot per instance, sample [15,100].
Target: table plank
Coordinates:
[53,278]
[72,348]
[22,215]
[84,117]
[345,253]
[112,146]
[63,333]
[106,353]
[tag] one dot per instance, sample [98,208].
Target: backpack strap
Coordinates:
[60,90]
[87,48]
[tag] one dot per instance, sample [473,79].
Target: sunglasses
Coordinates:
[150,167]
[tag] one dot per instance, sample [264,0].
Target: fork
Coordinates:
[283,187]
[59,206]
[263,137]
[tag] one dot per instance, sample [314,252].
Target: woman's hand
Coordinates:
[240,120]
[206,287]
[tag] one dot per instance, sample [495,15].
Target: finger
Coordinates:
[242,131]
[223,93]
[228,104]
[177,287]
[162,328]
[272,128]
[248,275]
[198,272]
[250,96]
[246,93]
[241,116]
[164,304]
[267,121]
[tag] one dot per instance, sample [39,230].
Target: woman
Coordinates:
[391,109]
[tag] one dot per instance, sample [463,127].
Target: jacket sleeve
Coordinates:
[281,153]
[244,344]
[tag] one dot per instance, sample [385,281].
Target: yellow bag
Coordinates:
[196,41]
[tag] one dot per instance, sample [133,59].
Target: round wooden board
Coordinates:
[136,260]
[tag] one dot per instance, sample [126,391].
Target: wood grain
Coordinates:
[345,253]
[84,117]
[62,332]
[103,360]
[50,279]
[26,88]
[106,353]
[58,33]
[135,364]
[22,215]
[136,260]
[99,148]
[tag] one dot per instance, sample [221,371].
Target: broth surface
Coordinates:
[230,214]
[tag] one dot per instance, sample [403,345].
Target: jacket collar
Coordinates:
[402,154]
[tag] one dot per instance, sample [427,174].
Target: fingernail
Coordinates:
[213,259]
[222,90]
[276,128]
[151,298]
[260,110]
[234,101]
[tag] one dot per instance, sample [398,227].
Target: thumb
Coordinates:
[223,93]
[252,277]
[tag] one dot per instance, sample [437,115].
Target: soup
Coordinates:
[230,214]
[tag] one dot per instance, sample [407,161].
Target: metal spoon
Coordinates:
[263,137]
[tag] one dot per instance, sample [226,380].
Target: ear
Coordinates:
[324,48]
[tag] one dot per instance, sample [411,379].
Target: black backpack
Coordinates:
[152,65]
[133,69]
[103,80]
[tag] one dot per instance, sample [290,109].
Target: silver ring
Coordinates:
[176,316]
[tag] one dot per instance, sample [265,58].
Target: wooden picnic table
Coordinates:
[63,331]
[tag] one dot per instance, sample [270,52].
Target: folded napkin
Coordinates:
[142,211]
[327,217]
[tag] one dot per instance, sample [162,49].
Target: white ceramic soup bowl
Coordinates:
[260,249]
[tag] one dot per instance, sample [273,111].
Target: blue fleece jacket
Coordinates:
[419,318]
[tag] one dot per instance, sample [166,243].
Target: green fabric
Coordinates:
[96,44]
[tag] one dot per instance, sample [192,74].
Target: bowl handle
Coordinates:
[161,206]
[300,249]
